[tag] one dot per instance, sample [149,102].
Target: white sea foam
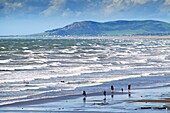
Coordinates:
[3,48]
[43,60]
[28,51]
[24,47]
[67,51]
[74,47]
[27,67]
[5,61]
[92,59]
[120,77]
[54,64]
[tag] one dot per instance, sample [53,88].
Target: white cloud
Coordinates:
[54,5]
[78,13]
[13,5]
[167,2]
[10,6]
[67,12]
[165,7]
[139,1]
[112,5]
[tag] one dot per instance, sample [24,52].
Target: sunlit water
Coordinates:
[42,68]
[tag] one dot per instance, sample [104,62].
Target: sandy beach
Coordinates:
[146,100]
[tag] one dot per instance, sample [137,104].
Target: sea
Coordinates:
[37,68]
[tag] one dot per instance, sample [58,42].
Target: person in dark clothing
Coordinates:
[104,95]
[84,94]
[129,94]
[129,87]
[112,95]
[112,88]
[122,90]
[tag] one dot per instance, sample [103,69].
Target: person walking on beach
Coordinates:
[104,95]
[129,87]
[112,88]
[122,90]
[129,94]
[84,94]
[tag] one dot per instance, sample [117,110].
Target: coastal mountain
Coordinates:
[112,28]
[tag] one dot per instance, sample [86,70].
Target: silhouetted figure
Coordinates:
[84,99]
[112,95]
[104,95]
[104,102]
[122,90]
[112,88]
[84,94]
[129,94]
[129,87]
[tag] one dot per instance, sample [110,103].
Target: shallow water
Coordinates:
[34,68]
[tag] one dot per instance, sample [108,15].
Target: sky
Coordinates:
[21,17]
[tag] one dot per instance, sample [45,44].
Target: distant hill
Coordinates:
[112,28]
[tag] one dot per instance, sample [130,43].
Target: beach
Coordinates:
[153,99]
[119,103]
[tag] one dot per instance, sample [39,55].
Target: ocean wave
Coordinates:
[54,64]
[27,67]
[3,48]
[68,51]
[5,61]
[28,51]
[92,59]
[25,48]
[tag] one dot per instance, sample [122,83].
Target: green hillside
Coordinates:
[112,28]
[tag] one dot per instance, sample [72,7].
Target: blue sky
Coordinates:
[34,16]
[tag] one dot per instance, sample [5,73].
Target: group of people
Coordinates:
[112,90]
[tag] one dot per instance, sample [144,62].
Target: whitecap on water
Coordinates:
[54,64]
[26,67]
[24,47]
[5,61]
[28,51]
[67,51]
[92,59]
[3,48]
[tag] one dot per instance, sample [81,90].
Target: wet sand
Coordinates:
[162,101]
[152,100]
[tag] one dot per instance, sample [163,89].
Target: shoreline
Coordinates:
[92,90]
[60,98]
[90,93]
[86,37]
[95,102]
[160,100]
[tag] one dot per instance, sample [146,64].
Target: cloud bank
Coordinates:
[85,8]
[54,5]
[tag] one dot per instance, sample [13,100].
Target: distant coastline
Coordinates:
[82,37]
[119,28]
